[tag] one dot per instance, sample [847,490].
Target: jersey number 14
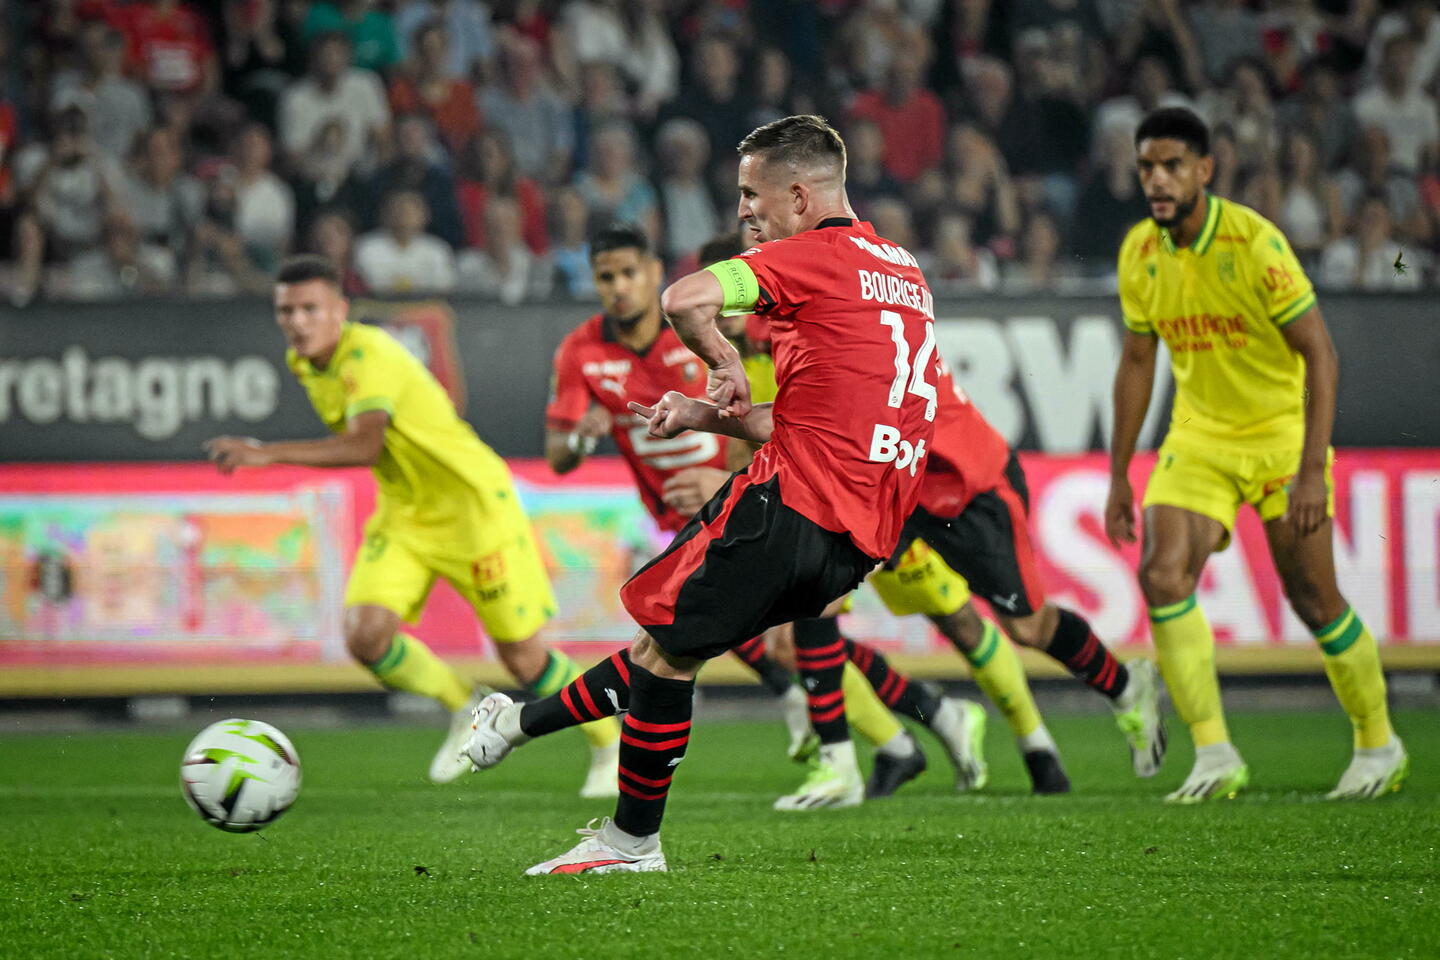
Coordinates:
[886,444]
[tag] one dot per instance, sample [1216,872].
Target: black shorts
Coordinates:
[988,544]
[746,562]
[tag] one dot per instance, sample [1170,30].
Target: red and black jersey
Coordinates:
[592,366]
[968,456]
[852,333]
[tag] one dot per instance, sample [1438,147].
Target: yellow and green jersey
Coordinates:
[1220,305]
[434,474]
[760,371]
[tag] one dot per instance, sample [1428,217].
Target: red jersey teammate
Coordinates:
[822,503]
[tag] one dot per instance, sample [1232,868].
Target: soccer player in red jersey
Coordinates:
[821,504]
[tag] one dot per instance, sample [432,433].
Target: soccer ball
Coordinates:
[240,775]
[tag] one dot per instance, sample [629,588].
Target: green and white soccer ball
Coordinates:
[240,775]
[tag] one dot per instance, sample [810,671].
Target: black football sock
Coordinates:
[775,677]
[820,655]
[601,691]
[1086,656]
[918,701]
[653,738]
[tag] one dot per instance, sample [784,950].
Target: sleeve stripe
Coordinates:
[1137,326]
[369,404]
[1295,310]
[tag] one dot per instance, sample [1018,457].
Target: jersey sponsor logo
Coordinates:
[887,252]
[678,355]
[880,287]
[1277,279]
[886,446]
[1200,325]
[606,368]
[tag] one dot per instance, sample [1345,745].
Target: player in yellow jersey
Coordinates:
[1255,375]
[446,507]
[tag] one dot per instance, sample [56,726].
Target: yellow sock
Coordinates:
[865,710]
[411,666]
[560,671]
[1186,648]
[997,670]
[1352,662]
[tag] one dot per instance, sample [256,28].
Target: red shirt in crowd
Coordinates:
[914,131]
[170,52]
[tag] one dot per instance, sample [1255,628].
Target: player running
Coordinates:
[1255,376]
[446,507]
[822,503]
[628,353]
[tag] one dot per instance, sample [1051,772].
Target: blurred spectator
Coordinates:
[117,107]
[256,64]
[713,96]
[1150,89]
[874,38]
[467,24]
[505,268]
[1418,20]
[983,190]
[425,86]
[891,219]
[1038,267]
[612,187]
[371,32]
[486,170]
[632,37]
[1322,111]
[1375,175]
[1227,30]
[418,166]
[959,266]
[164,201]
[220,263]
[333,237]
[66,189]
[401,257]
[264,204]
[325,177]
[689,216]
[1157,28]
[866,179]
[122,266]
[334,94]
[570,252]
[168,46]
[602,102]
[771,98]
[1408,115]
[1244,106]
[1042,135]
[1366,260]
[1226,181]
[911,118]
[1109,205]
[1310,204]
[536,121]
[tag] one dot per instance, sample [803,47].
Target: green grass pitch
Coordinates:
[101,858]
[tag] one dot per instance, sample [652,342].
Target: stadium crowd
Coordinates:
[164,146]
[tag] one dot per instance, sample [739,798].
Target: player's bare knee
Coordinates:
[648,655]
[1314,603]
[1164,583]
[963,628]
[367,636]
[526,659]
[1034,629]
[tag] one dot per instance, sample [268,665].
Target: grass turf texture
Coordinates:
[101,856]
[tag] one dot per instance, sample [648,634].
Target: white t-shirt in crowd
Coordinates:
[425,264]
[357,102]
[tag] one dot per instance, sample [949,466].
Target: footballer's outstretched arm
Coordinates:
[1134,379]
[692,303]
[358,446]
[675,413]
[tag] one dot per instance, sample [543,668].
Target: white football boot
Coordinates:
[606,849]
[834,781]
[803,740]
[1219,774]
[960,725]
[450,762]
[1137,713]
[1373,772]
[603,778]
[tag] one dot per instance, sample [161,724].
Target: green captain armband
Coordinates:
[738,286]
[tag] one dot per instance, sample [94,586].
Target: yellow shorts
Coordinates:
[505,582]
[1214,483]
[921,583]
